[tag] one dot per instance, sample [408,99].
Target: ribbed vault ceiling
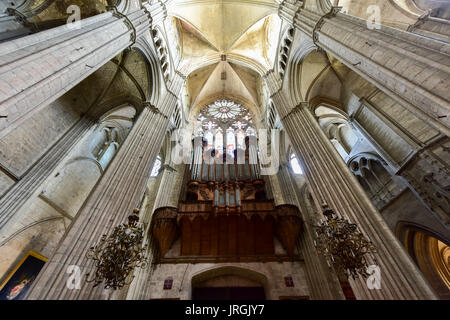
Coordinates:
[201,33]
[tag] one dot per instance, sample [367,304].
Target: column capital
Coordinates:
[116,13]
[153,108]
[273,82]
[157,10]
[175,84]
[301,106]
[332,13]
[137,22]
[167,167]
[420,20]
[288,9]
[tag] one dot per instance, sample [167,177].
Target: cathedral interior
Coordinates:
[259,150]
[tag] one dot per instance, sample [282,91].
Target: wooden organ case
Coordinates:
[225,216]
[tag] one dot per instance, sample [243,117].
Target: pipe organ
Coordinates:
[225,214]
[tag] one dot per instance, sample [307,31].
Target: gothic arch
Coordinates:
[403,226]
[430,252]
[155,78]
[38,236]
[335,124]
[373,175]
[294,67]
[254,109]
[67,190]
[311,75]
[215,272]
[108,106]
[366,155]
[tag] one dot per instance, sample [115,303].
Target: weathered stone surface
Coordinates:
[332,184]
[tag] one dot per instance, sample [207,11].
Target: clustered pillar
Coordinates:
[169,191]
[117,193]
[322,284]
[332,184]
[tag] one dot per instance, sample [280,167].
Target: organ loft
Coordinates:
[224,150]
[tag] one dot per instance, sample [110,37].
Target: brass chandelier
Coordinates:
[118,255]
[343,245]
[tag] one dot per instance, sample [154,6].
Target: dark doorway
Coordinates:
[228,293]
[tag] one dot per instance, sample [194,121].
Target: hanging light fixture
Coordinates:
[343,245]
[118,255]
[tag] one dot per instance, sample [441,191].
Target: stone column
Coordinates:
[171,183]
[333,185]
[119,191]
[322,282]
[287,185]
[20,192]
[253,156]
[168,196]
[37,69]
[412,69]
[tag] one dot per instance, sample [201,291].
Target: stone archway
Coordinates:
[229,283]
[430,253]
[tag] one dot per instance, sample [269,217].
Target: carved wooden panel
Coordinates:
[222,235]
[164,228]
[288,227]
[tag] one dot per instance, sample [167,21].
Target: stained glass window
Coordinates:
[156,167]
[231,141]
[218,141]
[225,110]
[251,132]
[295,165]
[225,123]
[209,136]
[240,135]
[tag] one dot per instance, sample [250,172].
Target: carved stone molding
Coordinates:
[296,109]
[289,8]
[315,36]
[153,109]
[127,21]
[22,19]
[421,20]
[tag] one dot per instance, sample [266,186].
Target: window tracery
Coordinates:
[224,124]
